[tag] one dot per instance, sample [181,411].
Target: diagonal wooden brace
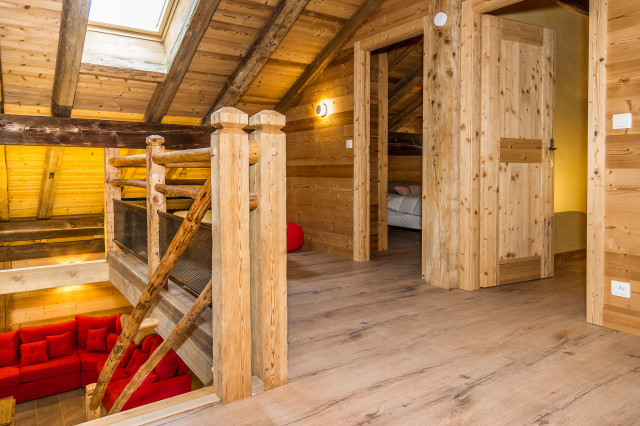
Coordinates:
[179,244]
[172,341]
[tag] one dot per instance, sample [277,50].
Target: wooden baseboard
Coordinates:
[570,255]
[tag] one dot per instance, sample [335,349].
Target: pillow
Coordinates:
[59,345]
[33,353]
[90,323]
[151,378]
[137,359]
[40,332]
[167,366]
[150,342]
[127,355]
[402,189]
[119,321]
[97,340]
[9,343]
[112,339]
[415,189]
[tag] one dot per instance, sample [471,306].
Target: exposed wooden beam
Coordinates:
[4,185]
[55,131]
[331,50]
[580,6]
[273,31]
[42,250]
[62,227]
[397,55]
[73,27]
[404,86]
[399,118]
[195,28]
[49,181]
[43,277]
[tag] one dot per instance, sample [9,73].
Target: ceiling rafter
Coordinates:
[166,91]
[580,6]
[326,56]
[73,28]
[404,86]
[398,54]
[401,117]
[273,31]
[49,181]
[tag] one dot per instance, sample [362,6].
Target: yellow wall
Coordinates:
[572,50]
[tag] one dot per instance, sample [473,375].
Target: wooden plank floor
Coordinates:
[371,343]
[64,409]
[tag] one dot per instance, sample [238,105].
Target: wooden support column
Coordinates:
[383,148]
[361,170]
[596,160]
[156,201]
[230,302]
[49,182]
[110,193]
[268,230]
[4,186]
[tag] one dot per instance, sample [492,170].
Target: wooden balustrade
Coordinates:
[248,288]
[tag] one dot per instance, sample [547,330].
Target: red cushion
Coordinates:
[38,333]
[147,393]
[137,359]
[89,323]
[149,342]
[119,324]
[59,345]
[9,376]
[97,340]
[295,236]
[119,373]
[56,367]
[151,378]
[89,360]
[33,353]
[168,366]
[9,343]
[112,339]
[127,355]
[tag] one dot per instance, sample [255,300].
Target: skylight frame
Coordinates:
[136,32]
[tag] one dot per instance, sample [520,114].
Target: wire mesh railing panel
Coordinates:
[130,228]
[193,270]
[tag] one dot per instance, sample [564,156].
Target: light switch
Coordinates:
[622,121]
[621,289]
[349,143]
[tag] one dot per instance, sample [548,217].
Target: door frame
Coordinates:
[441,136]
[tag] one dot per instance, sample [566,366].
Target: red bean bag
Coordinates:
[295,236]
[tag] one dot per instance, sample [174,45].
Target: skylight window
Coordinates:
[146,16]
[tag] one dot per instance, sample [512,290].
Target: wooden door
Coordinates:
[516,179]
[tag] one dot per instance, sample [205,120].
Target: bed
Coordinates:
[404,209]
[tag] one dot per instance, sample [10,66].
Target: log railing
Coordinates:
[248,288]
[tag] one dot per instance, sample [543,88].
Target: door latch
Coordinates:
[552,147]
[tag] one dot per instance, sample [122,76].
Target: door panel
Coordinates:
[516,199]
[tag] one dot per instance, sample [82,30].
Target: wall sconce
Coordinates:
[322,110]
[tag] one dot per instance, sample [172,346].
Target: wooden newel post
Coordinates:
[155,201]
[230,262]
[268,230]
[110,193]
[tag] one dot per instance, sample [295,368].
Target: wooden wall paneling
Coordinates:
[361,167]
[49,182]
[1,85]
[548,104]
[484,6]
[38,250]
[470,116]
[273,31]
[4,185]
[374,152]
[383,148]
[230,259]
[596,159]
[329,53]
[73,27]
[488,266]
[441,163]
[268,230]
[405,168]
[187,43]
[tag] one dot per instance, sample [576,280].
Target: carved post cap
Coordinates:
[229,118]
[155,140]
[268,119]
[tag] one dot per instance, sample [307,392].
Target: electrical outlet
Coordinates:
[620,289]
[349,143]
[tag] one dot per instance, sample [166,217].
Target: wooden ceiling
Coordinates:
[238,50]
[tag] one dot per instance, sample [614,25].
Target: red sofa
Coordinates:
[40,361]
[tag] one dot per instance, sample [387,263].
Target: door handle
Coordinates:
[552,146]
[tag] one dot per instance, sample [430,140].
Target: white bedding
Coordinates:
[403,220]
[408,204]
